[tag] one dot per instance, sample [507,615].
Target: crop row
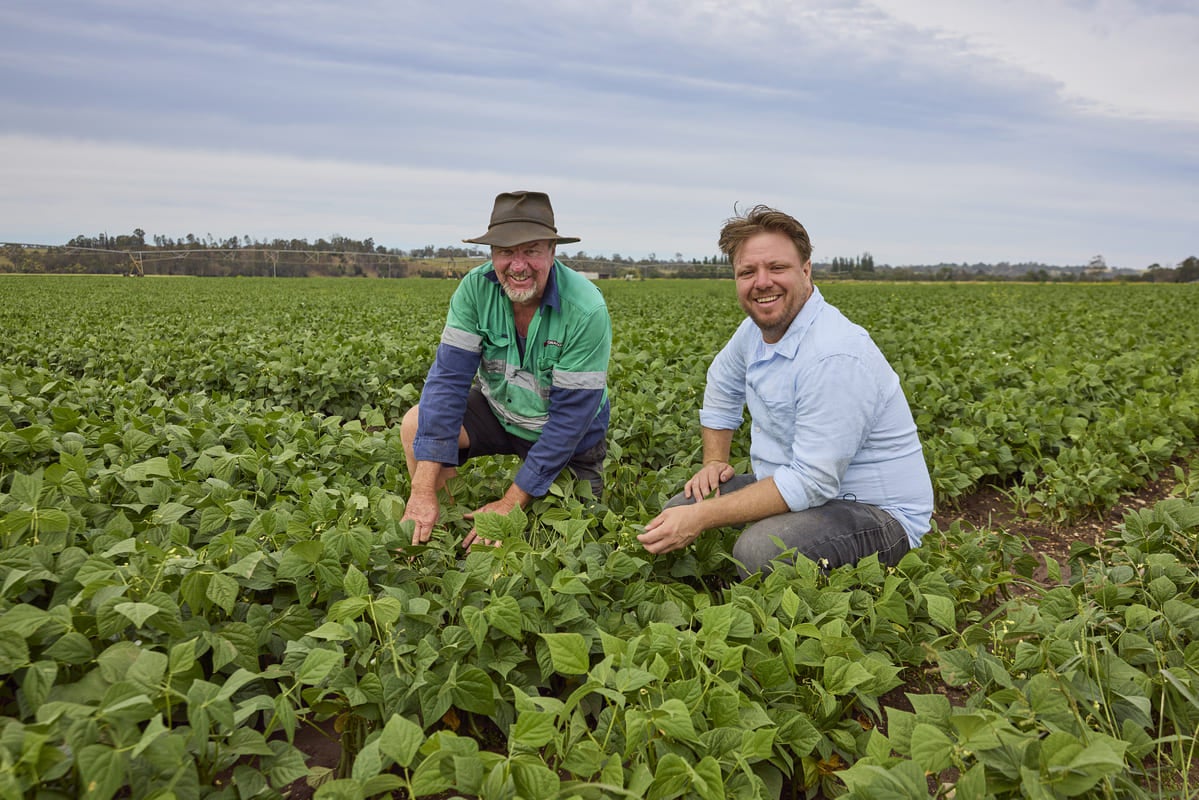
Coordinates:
[1066,397]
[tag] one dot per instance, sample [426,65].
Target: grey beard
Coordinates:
[520,297]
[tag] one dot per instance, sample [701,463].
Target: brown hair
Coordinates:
[763,219]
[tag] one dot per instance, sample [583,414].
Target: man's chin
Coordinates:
[523,296]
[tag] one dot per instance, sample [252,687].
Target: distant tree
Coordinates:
[1188,270]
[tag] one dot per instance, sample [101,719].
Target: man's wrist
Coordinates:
[518,496]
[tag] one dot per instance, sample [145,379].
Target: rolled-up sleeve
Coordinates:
[832,418]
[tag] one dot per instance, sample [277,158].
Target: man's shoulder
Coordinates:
[834,334]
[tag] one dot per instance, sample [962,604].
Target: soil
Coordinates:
[986,508]
[989,508]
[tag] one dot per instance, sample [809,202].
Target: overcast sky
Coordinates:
[921,131]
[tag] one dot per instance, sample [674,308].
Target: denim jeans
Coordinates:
[834,534]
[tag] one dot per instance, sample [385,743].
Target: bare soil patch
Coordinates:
[988,508]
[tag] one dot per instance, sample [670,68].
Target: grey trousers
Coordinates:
[837,533]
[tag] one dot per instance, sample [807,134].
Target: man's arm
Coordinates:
[442,408]
[677,527]
[718,444]
[576,395]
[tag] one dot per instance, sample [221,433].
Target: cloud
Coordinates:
[921,132]
[1114,57]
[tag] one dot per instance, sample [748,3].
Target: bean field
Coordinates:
[201,486]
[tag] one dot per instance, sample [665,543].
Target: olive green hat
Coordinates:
[520,217]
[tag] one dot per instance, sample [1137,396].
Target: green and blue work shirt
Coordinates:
[552,391]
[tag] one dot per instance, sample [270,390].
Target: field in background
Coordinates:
[200,489]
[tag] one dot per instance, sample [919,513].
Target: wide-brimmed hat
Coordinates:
[520,217]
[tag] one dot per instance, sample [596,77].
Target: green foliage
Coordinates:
[200,501]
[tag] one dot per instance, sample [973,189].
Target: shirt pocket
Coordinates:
[775,418]
[547,360]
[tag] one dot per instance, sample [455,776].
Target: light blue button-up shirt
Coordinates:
[829,417]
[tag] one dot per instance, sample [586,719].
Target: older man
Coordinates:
[521,369]
[838,469]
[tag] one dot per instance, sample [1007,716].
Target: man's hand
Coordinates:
[501,506]
[423,509]
[708,480]
[673,529]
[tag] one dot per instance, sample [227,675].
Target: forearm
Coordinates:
[757,501]
[678,526]
[516,496]
[424,478]
[718,445]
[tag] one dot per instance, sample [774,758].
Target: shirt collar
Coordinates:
[550,297]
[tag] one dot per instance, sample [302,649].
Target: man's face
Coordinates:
[523,270]
[772,282]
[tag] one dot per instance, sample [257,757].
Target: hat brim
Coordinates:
[510,234]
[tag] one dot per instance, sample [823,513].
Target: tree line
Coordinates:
[136,254]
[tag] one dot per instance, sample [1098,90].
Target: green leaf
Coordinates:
[671,779]
[568,653]
[151,468]
[16,522]
[137,613]
[332,631]
[318,665]
[472,690]
[842,676]
[355,583]
[147,670]
[941,611]
[533,729]
[101,771]
[39,679]
[503,614]
[368,763]
[154,730]
[904,781]
[182,657]
[931,748]
[168,513]
[23,620]
[707,780]
[674,720]
[1073,768]
[400,740]
[71,648]
[223,591]
[27,489]
[533,778]
[957,666]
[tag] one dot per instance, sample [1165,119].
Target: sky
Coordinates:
[919,131]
